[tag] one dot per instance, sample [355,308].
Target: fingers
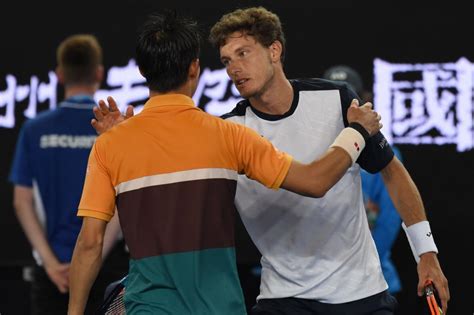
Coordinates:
[365,116]
[129,112]
[112,104]
[103,107]
[420,290]
[443,294]
[111,107]
[444,305]
[429,271]
[355,103]
[62,284]
[62,288]
[59,276]
[96,125]
[441,289]
[368,105]
[98,112]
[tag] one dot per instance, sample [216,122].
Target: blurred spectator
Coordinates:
[48,174]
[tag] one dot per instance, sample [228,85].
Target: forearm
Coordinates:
[85,266]
[407,200]
[386,230]
[403,192]
[26,215]
[86,263]
[388,223]
[112,232]
[316,178]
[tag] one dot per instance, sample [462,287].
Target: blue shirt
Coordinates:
[51,157]
[386,224]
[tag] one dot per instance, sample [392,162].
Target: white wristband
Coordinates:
[351,141]
[420,239]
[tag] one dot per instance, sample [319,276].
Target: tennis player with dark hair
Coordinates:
[171,172]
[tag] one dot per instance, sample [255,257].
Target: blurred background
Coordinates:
[416,62]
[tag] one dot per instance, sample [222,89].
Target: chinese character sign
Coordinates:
[215,92]
[35,92]
[426,103]
[419,103]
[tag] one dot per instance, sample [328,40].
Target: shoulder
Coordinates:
[238,111]
[346,94]
[317,90]
[127,131]
[40,121]
[318,84]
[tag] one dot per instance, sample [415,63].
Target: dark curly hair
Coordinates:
[263,25]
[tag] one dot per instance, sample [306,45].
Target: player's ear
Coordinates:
[276,49]
[60,74]
[99,73]
[194,69]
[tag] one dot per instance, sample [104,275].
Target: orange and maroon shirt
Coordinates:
[171,173]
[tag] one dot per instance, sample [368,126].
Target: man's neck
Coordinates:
[276,98]
[185,90]
[71,91]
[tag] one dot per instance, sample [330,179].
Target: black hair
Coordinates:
[165,49]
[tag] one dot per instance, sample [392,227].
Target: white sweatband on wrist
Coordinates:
[351,141]
[420,239]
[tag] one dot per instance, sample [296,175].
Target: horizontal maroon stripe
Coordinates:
[178,217]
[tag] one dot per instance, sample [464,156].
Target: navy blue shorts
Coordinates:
[380,304]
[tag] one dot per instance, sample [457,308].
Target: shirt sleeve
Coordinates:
[259,159]
[21,172]
[378,152]
[98,194]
